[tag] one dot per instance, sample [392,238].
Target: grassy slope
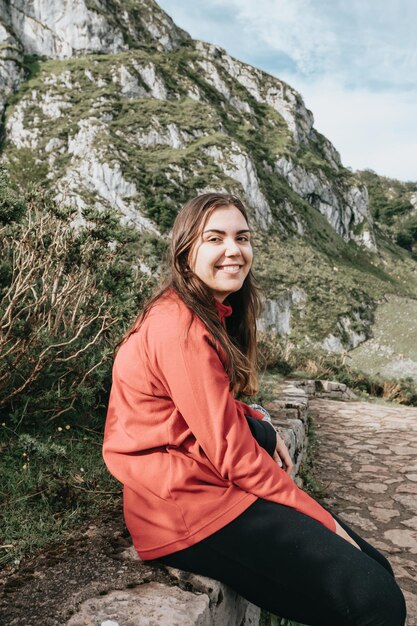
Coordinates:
[53,481]
[392,351]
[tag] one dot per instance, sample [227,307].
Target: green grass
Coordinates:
[273,620]
[53,481]
[392,351]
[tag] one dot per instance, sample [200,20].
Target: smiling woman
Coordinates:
[204,490]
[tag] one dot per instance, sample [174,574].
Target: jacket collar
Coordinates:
[224,310]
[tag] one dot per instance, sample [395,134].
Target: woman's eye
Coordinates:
[217,239]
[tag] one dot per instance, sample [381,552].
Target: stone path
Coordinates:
[367,462]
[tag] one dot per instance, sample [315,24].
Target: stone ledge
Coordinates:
[190,600]
[289,416]
[156,604]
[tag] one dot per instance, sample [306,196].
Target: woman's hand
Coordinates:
[342,533]
[282,456]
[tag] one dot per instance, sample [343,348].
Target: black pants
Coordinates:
[293,566]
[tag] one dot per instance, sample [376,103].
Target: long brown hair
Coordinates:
[238,340]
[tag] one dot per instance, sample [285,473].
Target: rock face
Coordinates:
[11,72]
[345,207]
[116,107]
[351,330]
[276,317]
[71,27]
[62,29]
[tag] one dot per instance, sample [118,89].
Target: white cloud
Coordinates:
[294,27]
[362,42]
[376,130]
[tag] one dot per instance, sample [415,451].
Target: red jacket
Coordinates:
[179,441]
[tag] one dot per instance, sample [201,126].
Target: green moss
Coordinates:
[32,66]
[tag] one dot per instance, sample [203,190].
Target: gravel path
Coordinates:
[367,461]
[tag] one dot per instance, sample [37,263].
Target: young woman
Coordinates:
[201,491]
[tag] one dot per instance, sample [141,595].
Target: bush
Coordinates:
[273,353]
[66,296]
[405,240]
[12,207]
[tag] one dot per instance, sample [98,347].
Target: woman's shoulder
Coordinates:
[169,306]
[169,328]
[169,317]
[163,320]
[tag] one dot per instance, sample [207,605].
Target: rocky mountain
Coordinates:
[393,204]
[110,104]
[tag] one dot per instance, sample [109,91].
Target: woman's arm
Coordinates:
[198,384]
[264,433]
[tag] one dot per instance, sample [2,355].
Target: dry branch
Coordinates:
[50,312]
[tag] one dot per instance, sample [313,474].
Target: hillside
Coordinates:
[111,105]
[393,204]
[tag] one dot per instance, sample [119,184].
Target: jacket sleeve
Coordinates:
[250,410]
[194,377]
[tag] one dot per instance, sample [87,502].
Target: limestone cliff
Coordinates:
[115,106]
[71,27]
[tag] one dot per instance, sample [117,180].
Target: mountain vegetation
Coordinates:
[393,205]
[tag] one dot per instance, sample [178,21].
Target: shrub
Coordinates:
[405,240]
[12,207]
[66,295]
[273,353]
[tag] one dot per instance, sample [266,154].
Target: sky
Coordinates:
[354,63]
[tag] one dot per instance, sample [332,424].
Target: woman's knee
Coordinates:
[378,603]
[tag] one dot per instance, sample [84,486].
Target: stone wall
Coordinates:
[186,599]
[325,389]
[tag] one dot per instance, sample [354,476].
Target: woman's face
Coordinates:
[222,256]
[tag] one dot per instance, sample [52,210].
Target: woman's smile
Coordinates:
[230,269]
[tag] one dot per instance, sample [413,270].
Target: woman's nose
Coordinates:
[232,248]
